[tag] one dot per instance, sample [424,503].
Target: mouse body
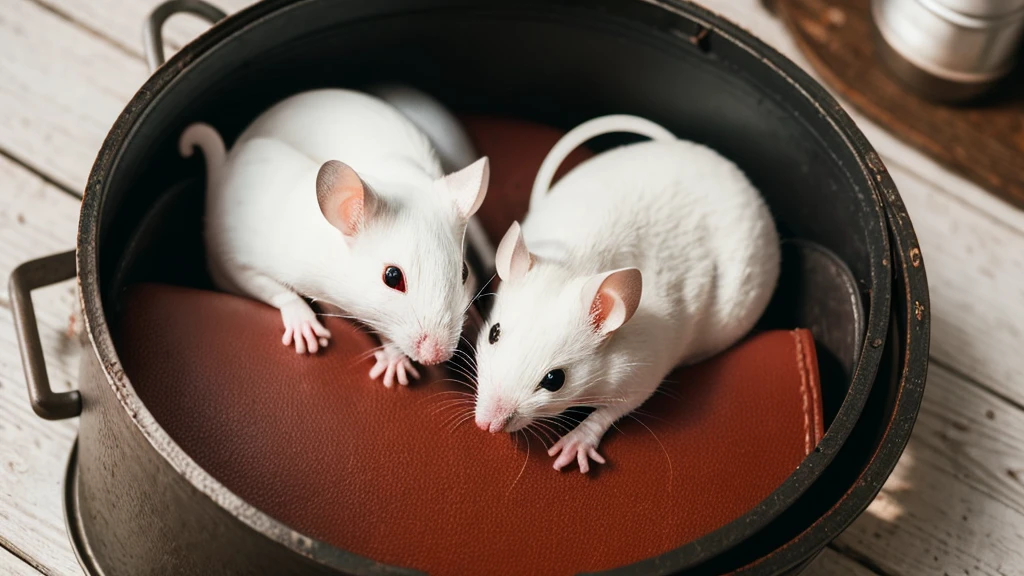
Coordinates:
[640,259]
[336,196]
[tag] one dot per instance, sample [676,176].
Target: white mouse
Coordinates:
[335,195]
[640,259]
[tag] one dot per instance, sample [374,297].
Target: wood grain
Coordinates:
[983,141]
[11,565]
[36,219]
[753,16]
[62,89]
[832,563]
[973,257]
[121,22]
[955,502]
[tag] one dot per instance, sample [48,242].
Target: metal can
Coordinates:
[948,50]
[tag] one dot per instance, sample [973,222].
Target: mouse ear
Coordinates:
[512,260]
[344,199]
[468,187]
[612,298]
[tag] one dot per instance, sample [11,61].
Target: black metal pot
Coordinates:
[138,504]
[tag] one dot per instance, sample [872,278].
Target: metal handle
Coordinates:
[26,278]
[152,33]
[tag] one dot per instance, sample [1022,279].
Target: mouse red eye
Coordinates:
[394,279]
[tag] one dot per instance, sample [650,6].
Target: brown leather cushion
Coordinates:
[402,476]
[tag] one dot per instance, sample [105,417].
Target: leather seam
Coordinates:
[802,369]
[815,401]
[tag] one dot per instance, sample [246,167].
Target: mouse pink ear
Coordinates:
[344,199]
[468,187]
[513,260]
[612,298]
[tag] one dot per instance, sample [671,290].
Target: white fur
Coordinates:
[708,251]
[268,239]
[453,145]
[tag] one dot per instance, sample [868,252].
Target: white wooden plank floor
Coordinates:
[955,503]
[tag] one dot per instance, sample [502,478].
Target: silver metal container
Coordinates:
[949,50]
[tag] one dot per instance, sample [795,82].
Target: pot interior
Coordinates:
[556,63]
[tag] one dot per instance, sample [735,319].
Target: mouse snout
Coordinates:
[494,417]
[430,350]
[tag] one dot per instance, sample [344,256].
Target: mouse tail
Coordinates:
[206,138]
[576,137]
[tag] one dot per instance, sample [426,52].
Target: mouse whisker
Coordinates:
[646,414]
[464,356]
[361,359]
[456,417]
[448,392]
[655,436]
[463,372]
[478,292]
[458,404]
[547,430]
[467,418]
[664,392]
[525,462]
[461,383]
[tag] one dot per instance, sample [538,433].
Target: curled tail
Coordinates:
[585,131]
[205,137]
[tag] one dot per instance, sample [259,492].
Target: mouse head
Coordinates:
[541,351]
[405,263]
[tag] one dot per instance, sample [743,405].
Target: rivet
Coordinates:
[915,257]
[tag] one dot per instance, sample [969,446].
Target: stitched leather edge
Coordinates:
[801,367]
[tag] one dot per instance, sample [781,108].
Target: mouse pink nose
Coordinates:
[483,423]
[494,418]
[430,351]
[493,426]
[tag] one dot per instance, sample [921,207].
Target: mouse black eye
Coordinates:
[495,333]
[394,279]
[552,381]
[465,272]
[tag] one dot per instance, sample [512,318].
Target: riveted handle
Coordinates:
[152,33]
[26,278]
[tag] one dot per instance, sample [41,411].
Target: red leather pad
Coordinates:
[404,477]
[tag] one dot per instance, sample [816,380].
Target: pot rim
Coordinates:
[915,344]
[871,171]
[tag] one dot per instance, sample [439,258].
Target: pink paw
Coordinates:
[302,329]
[579,445]
[393,363]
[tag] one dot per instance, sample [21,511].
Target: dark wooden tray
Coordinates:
[983,140]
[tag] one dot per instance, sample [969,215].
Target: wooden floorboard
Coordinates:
[11,565]
[972,242]
[833,563]
[36,219]
[62,89]
[953,504]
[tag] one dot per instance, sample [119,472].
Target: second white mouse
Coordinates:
[640,259]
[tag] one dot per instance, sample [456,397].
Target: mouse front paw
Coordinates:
[580,445]
[393,364]
[301,328]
